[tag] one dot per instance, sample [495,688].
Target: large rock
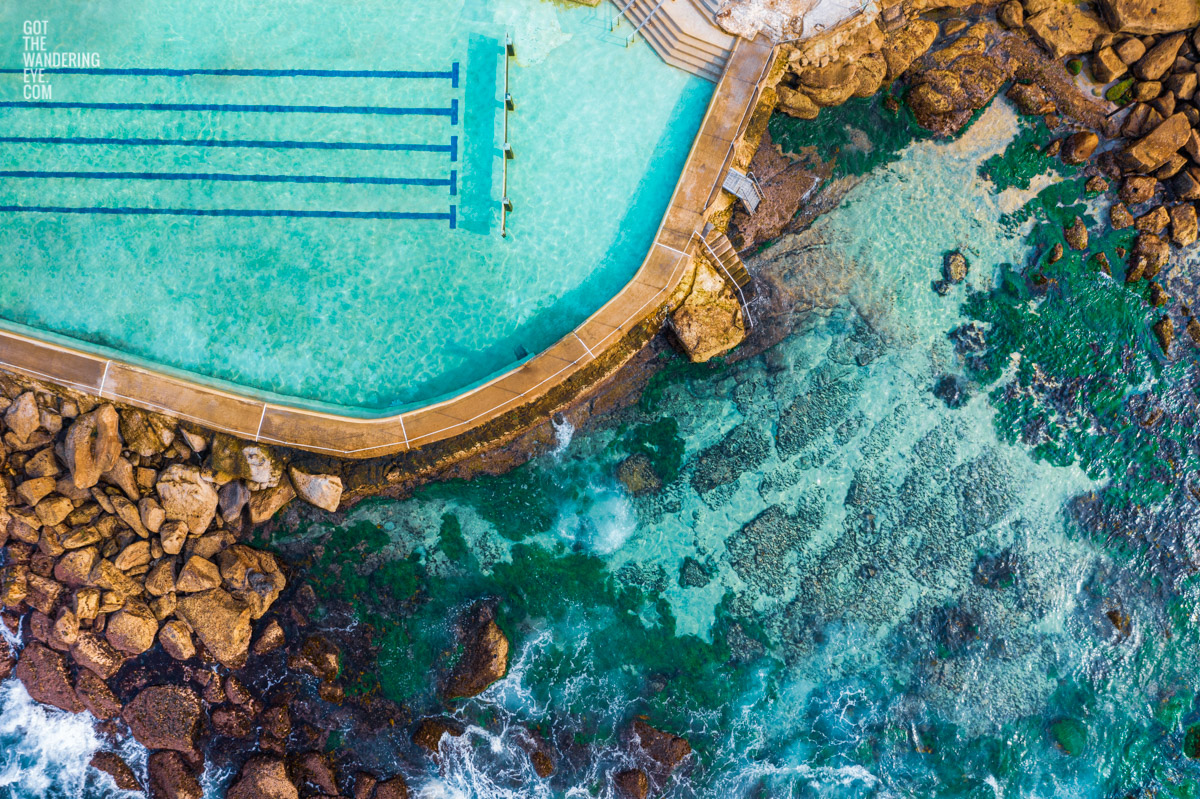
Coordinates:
[145,433]
[1151,16]
[252,576]
[1156,148]
[263,778]
[632,784]
[132,629]
[221,622]
[23,417]
[8,659]
[322,490]
[198,574]
[256,463]
[165,717]
[395,788]
[170,777]
[266,503]
[187,497]
[908,44]
[96,696]
[176,639]
[1159,59]
[93,445]
[710,321]
[115,766]
[96,654]
[485,654]
[665,749]
[74,567]
[1066,29]
[319,657]
[44,674]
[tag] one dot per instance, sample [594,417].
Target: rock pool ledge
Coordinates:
[493,411]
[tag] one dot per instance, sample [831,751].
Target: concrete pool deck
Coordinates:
[641,300]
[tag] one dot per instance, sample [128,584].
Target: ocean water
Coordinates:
[925,546]
[398,311]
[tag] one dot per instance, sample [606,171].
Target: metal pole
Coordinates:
[505,203]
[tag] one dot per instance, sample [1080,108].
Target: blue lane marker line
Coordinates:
[451,75]
[122,211]
[451,112]
[451,148]
[453,217]
[453,182]
[233,177]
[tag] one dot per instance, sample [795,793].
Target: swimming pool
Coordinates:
[304,200]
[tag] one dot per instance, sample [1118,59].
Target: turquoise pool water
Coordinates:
[264,195]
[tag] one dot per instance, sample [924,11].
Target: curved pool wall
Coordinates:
[360,316]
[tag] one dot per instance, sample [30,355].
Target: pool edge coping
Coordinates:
[330,433]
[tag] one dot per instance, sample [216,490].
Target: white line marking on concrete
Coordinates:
[104,379]
[585,346]
[258,432]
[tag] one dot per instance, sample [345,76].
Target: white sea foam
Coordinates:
[45,752]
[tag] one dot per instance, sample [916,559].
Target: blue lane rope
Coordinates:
[451,112]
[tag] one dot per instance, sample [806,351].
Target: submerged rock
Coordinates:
[1069,735]
[632,784]
[637,474]
[663,748]
[430,731]
[1164,331]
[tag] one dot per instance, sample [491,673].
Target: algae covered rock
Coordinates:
[637,474]
[710,321]
[485,654]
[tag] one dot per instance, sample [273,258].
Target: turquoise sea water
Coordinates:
[367,313]
[845,587]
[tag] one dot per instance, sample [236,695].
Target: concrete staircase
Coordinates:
[719,247]
[682,32]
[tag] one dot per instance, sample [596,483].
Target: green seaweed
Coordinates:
[661,443]
[857,136]
[1022,160]
[518,503]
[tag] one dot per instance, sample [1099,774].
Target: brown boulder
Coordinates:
[221,622]
[430,731]
[266,503]
[187,497]
[1154,149]
[313,770]
[256,463]
[44,674]
[133,628]
[1150,254]
[1137,189]
[165,717]
[160,580]
[906,45]
[93,445]
[321,490]
[270,639]
[170,777]
[252,576]
[1066,29]
[233,722]
[95,695]
[145,433]
[632,784]
[173,536]
[1159,59]
[1078,147]
[198,574]
[8,659]
[1151,16]
[23,417]
[662,747]
[114,766]
[74,567]
[263,778]
[485,654]
[395,788]
[94,653]
[319,657]
[1183,224]
[176,639]
[1107,66]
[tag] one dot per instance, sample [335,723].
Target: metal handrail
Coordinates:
[506,156]
[736,287]
[642,24]
[612,26]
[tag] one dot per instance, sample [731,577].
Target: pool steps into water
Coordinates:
[682,32]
